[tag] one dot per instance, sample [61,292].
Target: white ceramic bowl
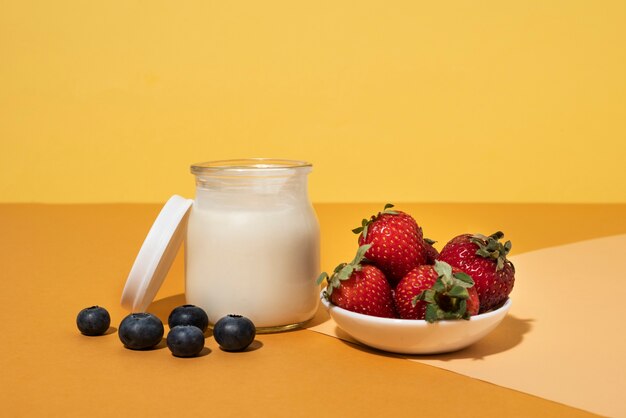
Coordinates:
[410,336]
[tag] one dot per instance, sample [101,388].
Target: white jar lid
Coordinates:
[156,254]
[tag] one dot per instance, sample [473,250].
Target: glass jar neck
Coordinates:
[251,183]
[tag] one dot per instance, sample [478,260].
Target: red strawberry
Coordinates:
[361,288]
[397,243]
[483,258]
[436,292]
[431,252]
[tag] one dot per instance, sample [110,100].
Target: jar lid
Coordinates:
[156,254]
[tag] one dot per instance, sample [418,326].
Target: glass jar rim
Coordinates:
[248,165]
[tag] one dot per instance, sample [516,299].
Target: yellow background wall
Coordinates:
[391,100]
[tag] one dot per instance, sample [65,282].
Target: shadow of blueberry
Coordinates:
[111,330]
[255,345]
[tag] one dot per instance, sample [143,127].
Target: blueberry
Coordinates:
[234,332]
[185,340]
[188,315]
[94,320]
[139,331]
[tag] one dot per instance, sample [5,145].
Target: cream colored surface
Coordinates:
[564,338]
[112,101]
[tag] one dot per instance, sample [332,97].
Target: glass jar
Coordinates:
[253,242]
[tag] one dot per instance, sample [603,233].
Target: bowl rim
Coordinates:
[400,321]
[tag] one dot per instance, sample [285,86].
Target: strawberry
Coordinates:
[397,244]
[483,258]
[436,292]
[431,252]
[361,288]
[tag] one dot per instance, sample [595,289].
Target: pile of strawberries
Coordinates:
[397,273]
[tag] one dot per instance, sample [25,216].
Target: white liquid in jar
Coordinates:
[257,260]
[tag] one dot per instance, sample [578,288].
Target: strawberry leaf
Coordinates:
[321,278]
[339,267]
[464,279]
[483,253]
[447,297]
[432,313]
[427,296]
[417,298]
[429,241]
[430,296]
[479,237]
[458,292]
[500,264]
[490,247]
[439,286]
[463,309]
[360,254]
[364,233]
[388,211]
[362,228]
[497,235]
[346,272]
[365,223]
[443,269]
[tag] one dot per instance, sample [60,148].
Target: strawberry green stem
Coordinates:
[343,271]
[491,247]
[365,223]
[447,298]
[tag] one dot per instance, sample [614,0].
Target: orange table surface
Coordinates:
[58,259]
